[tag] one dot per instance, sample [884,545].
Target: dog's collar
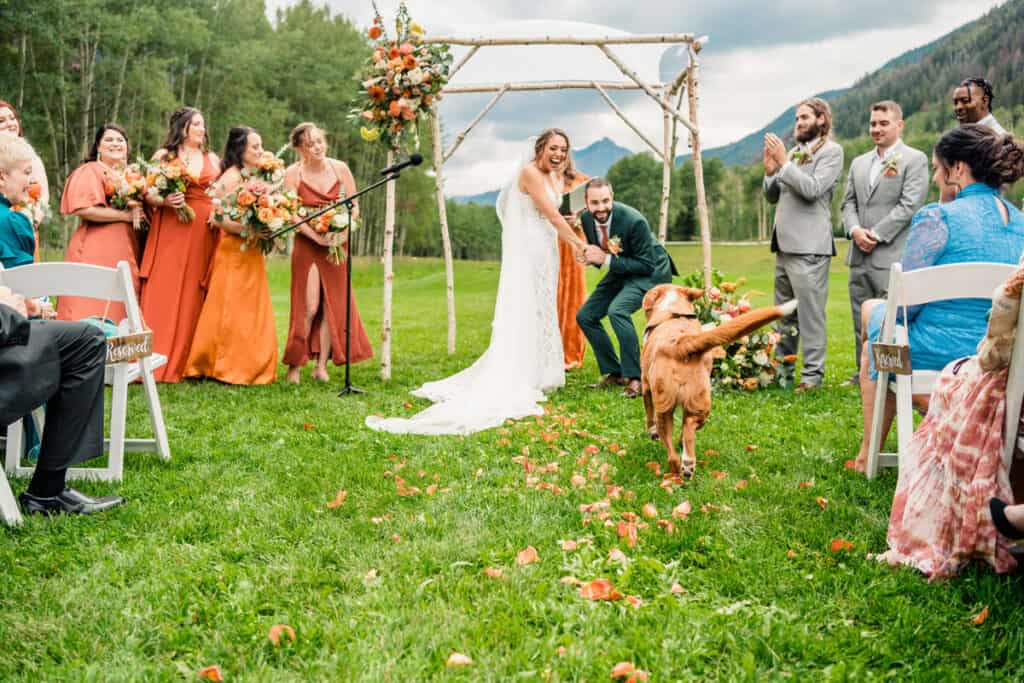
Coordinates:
[675,316]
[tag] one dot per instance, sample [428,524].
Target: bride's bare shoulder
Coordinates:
[530,175]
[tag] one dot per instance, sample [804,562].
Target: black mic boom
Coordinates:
[414,160]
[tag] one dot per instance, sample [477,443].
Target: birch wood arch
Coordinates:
[668,97]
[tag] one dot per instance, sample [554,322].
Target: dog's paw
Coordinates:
[653,433]
[688,470]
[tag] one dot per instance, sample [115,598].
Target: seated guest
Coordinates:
[17,239]
[60,364]
[944,513]
[972,103]
[978,225]
[11,123]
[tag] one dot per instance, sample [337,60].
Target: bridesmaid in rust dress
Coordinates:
[105,234]
[236,340]
[572,285]
[177,257]
[317,325]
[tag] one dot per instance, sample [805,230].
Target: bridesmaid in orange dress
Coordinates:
[105,234]
[317,325]
[178,255]
[572,286]
[236,341]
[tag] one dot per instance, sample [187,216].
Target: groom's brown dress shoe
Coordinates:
[804,387]
[633,389]
[609,381]
[68,501]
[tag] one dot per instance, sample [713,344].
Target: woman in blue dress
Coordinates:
[971,163]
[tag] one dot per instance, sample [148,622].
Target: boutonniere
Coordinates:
[803,156]
[891,167]
[615,245]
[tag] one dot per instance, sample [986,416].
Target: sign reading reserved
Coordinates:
[894,358]
[129,347]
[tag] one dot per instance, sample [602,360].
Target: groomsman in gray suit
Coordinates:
[801,183]
[884,190]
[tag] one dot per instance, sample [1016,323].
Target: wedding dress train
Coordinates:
[524,358]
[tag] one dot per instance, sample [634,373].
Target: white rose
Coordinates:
[415,76]
[761,358]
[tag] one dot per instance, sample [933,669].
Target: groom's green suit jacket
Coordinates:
[642,257]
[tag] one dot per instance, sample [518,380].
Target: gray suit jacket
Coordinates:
[803,218]
[887,208]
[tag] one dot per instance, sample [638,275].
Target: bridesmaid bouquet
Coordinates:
[400,81]
[333,224]
[260,209]
[126,189]
[166,177]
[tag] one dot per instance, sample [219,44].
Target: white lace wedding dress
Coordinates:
[525,357]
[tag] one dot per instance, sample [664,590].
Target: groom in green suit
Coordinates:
[620,242]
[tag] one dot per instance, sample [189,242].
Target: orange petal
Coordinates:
[616,555]
[710,452]
[578,480]
[806,484]
[751,447]
[308,426]
[339,500]
[407,404]
[591,449]
[600,589]
[649,511]
[741,484]
[527,555]
[494,573]
[561,651]
[790,554]
[211,673]
[571,580]
[622,669]
[839,545]
[569,545]
[432,489]
[634,601]
[682,510]
[719,475]
[274,635]
[654,467]
[823,502]
[614,447]
[458,659]
[676,589]
[980,617]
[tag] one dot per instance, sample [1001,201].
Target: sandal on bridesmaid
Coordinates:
[1003,525]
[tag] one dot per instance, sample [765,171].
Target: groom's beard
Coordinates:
[601,216]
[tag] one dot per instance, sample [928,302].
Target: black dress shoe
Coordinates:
[1003,525]
[68,501]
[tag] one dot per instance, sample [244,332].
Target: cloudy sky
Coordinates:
[761,57]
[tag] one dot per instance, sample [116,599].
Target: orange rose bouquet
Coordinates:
[166,177]
[37,212]
[125,189]
[259,204]
[336,224]
[399,82]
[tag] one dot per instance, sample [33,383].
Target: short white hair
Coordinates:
[14,150]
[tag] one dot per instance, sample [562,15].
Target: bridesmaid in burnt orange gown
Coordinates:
[236,341]
[572,288]
[177,257]
[105,234]
[317,325]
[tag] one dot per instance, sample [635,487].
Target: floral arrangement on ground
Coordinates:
[748,363]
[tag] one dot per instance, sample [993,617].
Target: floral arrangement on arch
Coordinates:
[748,363]
[399,82]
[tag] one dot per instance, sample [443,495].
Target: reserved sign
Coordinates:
[894,358]
[129,347]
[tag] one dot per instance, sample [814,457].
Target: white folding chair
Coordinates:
[1014,395]
[107,284]
[926,285]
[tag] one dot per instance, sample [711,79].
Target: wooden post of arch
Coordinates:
[666,171]
[698,171]
[389,276]
[442,210]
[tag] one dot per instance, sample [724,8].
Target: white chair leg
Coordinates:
[15,433]
[875,442]
[118,414]
[156,413]
[8,505]
[904,415]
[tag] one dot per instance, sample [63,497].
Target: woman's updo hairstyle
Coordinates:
[994,159]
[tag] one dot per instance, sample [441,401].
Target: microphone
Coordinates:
[414,160]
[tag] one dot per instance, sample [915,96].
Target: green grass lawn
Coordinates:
[234,535]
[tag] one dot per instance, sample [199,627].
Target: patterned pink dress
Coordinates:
[940,519]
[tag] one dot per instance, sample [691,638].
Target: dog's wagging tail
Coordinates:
[686,346]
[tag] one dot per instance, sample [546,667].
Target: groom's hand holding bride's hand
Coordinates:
[594,255]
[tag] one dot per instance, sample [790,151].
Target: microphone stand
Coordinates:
[348,202]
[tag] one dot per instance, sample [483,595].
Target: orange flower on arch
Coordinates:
[394,109]
[374,32]
[409,63]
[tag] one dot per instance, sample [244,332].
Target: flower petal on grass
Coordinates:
[682,511]
[211,673]
[741,484]
[494,573]
[649,511]
[839,545]
[527,555]
[274,634]
[980,617]
[458,659]
[676,589]
[600,589]
[717,474]
[569,545]
[339,500]
[823,502]
[616,555]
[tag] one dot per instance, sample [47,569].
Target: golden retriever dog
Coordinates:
[676,364]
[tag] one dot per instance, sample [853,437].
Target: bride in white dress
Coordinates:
[524,358]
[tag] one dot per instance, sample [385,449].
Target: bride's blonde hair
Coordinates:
[569,173]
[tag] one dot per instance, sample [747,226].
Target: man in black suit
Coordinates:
[60,364]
